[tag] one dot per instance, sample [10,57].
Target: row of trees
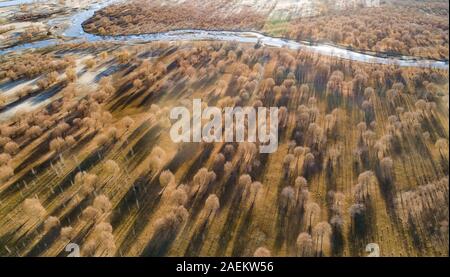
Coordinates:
[32,65]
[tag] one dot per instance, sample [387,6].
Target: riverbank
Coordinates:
[74,31]
[400,29]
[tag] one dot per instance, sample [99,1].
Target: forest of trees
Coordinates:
[397,28]
[151,17]
[363,156]
[420,30]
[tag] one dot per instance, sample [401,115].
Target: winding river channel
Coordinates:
[74,32]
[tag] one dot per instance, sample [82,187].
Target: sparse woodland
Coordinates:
[363,156]
[401,27]
[420,30]
[151,17]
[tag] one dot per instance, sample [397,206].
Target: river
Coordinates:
[76,33]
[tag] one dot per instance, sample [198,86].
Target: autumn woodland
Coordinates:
[363,151]
[417,29]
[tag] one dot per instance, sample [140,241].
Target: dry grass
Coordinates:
[128,124]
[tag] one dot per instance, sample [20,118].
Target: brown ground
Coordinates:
[117,132]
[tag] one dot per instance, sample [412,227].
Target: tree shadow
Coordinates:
[196,242]
[243,234]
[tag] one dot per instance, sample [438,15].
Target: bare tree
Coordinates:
[127,122]
[33,208]
[442,146]
[305,245]
[34,132]
[87,182]
[71,74]
[11,148]
[312,213]
[158,158]
[6,172]
[90,214]
[211,206]
[251,191]
[218,164]
[102,203]
[287,199]
[179,196]
[101,242]
[245,180]
[322,231]
[111,167]
[57,145]
[288,159]
[138,83]
[262,252]
[5,159]
[335,83]
[67,233]
[386,166]
[202,180]
[50,223]
[166,178]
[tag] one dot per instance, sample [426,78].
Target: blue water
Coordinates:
[17,2]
